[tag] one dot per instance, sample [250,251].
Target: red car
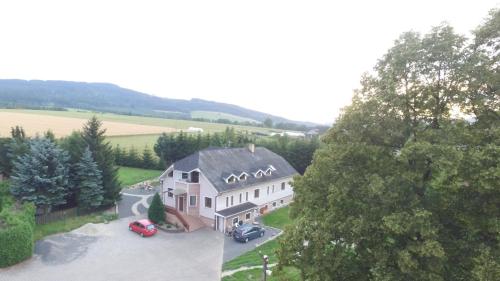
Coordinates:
[143,227]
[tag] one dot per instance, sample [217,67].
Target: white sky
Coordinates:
[296,59]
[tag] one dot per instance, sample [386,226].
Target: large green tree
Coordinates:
[407,187]
[102,153]
[41,175]
[88,182]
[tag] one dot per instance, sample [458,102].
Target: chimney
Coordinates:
[251,147]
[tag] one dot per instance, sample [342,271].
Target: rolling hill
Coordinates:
[112,98]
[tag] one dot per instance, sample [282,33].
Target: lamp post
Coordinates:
[265,262]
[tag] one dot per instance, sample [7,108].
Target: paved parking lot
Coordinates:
[233,248]
[110,252]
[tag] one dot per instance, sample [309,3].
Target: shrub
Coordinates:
[16,234]
[156,213]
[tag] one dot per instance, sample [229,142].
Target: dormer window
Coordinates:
[231,179]
[269,171]
[258,174]
[243,177]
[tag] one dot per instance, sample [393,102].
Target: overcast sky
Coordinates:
[296,59]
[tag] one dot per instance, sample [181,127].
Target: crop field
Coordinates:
[43,116]
[62,126]
[123,130]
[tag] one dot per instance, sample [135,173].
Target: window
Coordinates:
[240,197]
[268,190]
[274,204]
[231,179]
[184,176]
[192,200]
[170,194]
[281,202]
[256,193]
[227,201]
[243,177]
[259,174]
[208,202]
[246,196]
[171,174]
[268,172]
[283,186]
[273,188]
[247,216]
[232,200]
[235,220]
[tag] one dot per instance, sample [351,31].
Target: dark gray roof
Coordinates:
[219,163]
[237,209]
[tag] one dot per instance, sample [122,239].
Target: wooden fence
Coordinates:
[71,213]
[56,216]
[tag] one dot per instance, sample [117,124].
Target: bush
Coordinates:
[156,213]
[16,234]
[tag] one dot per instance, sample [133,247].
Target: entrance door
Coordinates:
[181,203]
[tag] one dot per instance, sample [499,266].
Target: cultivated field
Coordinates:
[62,126]
[125,130]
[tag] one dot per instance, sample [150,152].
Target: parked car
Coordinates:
[143,227]
[247,232]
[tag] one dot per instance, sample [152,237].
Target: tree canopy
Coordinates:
[41,175]
[407,185]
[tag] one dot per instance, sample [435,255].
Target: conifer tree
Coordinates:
[148,162]
[89,184]
[102,153]
[41,175]
[156,213]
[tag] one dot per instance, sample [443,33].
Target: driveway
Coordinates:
[110,252]
[233,249]
[135,201]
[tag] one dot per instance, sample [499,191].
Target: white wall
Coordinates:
[168,183]
[263,196]
[207,190]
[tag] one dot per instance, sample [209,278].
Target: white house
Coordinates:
[223,186]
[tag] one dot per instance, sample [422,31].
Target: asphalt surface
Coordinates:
[130,196]
[110,252]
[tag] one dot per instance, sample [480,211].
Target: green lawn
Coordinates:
[42,230]
[129,176]
[278,218]
[253,257]
[288,274]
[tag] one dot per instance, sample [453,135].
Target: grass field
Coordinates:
[278,219]
[137,141]
[110,117]
[212,115]
[130,176]
[252,257]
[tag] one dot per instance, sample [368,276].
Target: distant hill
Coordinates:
[112,98]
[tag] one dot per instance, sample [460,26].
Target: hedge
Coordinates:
[16,234]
